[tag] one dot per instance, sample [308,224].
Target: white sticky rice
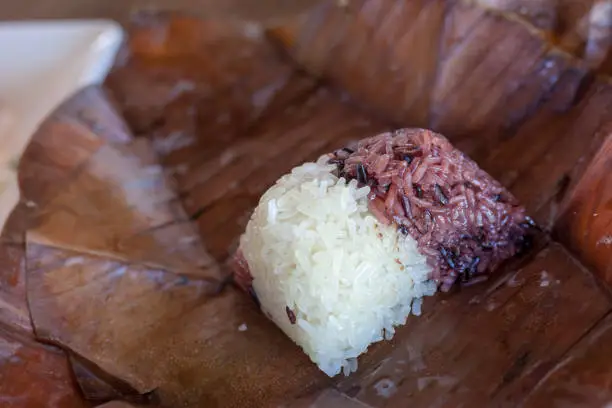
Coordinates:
[313,246]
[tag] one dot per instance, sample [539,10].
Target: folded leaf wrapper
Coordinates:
[128,224]
[33,375]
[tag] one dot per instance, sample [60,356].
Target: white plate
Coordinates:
[43,63]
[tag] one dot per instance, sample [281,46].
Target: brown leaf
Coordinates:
[93,108]
[167,79]
[160,331]
[98,386]
[14,313]
[434,64]
[328,398]
[487,344]
[118,274]
[582,375]
[384,53]
[264,11]
[122,404]
[58,148]
[13,307]
[33,375]
[584,224]
[121,204]
[543,14]
[116,404]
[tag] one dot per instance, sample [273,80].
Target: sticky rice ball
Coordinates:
[326,271]
[341,251]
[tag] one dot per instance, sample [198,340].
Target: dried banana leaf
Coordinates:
[14,312]
[127,235]
[120,205]
[33,375]
[498,85]
[113,208]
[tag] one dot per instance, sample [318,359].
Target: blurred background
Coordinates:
[262,10]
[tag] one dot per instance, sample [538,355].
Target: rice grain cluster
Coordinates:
[464,220]
[326,270]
